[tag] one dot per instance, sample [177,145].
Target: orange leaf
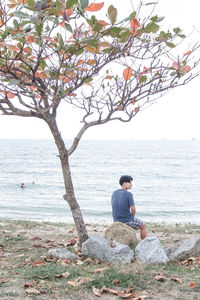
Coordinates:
[79,63]
[91,49]
[95,6]
[103,23]
[91,62]
[192,285]
[27,50]
[108,77]
[105,44]
[128,72]
[10,95]
[137,109]
[62,24]
[68,11]
[33,88]
[187,53]
[30,39]
[13,48]
[38,74]
[135,24]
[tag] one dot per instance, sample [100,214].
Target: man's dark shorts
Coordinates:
[135,223]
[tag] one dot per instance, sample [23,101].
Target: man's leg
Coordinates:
[143,233]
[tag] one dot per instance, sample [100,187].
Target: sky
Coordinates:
[174,116]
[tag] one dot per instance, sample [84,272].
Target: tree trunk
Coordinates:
[69,196]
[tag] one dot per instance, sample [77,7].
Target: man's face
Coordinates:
[128,185]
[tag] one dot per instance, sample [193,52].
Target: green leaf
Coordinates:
[38,29]
[60,40]
[124,36]
[107,50]
[84,3]
[177,30]
[151,27]
[113,31]
[68,27]
[157,19]
[13,82]
[21,15]
[183,36]
[170,45]
[30,3]
[143,78]
[79,51]
[71,3]
[112,13]
[87,80]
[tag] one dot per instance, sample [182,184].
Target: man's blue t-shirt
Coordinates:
[121,202]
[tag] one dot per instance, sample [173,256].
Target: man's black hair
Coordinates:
[125,178]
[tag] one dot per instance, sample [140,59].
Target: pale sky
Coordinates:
[175,116]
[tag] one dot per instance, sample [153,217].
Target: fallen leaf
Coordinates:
[161,278]
[116,282]
[96,292]
[30,283]
[32,291]
[89,260]
[176,279]
[192,285]
[72,283]
[35,238]
[79,262]
[63,275]
[4,280]
[100,269]
[84,280]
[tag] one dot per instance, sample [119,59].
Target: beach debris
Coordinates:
[151,251]
[100,248]
[128,294]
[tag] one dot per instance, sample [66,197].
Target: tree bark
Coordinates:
[70,195]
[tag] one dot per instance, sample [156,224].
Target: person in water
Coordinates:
[123,206]
[22,185]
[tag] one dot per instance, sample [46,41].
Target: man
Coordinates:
[123,206]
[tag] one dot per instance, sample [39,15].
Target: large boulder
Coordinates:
[121,233]
[62,253]
[184,249]
[107,251]
[151,251]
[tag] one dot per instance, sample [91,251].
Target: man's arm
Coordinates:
[133,210]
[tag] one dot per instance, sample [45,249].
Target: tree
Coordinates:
[59,50]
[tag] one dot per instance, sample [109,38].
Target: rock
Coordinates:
[121,233]
[184,249]
[62,253]
[151,251]
[107,251]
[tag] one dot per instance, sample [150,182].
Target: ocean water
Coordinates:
[166,176]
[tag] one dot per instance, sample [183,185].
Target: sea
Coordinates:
[166,185]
